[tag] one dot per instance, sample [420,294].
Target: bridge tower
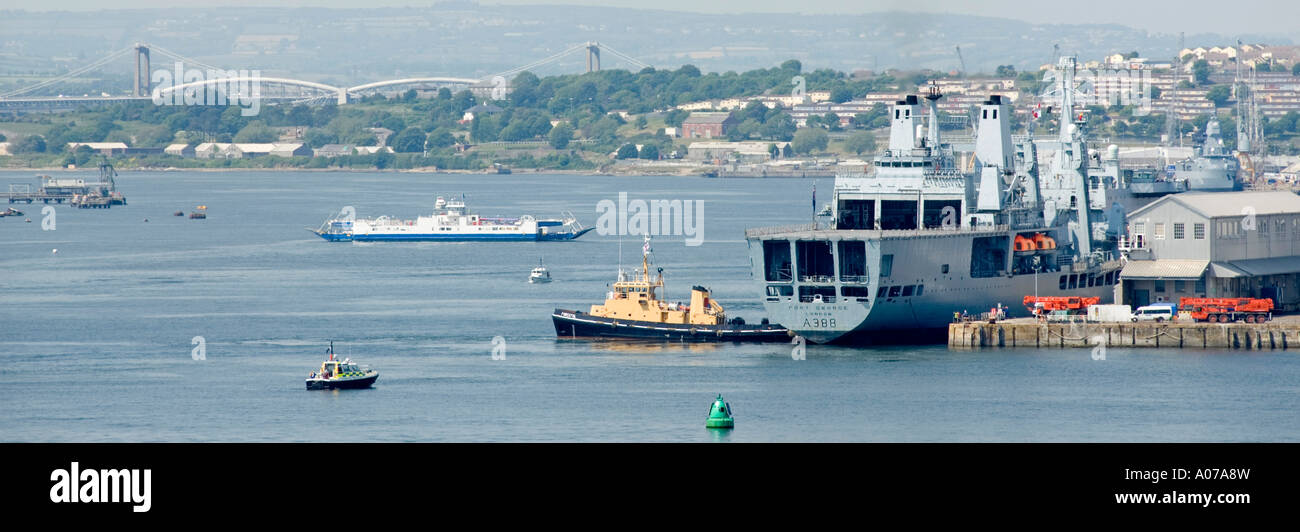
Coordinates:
[141,69]
[593,56]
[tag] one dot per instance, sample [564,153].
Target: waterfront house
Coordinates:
[334,150]
[707,125]
[479,110]
[179,150]
[291,149]
[105,148]
[211,150]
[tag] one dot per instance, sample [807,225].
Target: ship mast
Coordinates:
[1067,99]
[933,130]
[645,259]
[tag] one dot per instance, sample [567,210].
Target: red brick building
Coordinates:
[702,125]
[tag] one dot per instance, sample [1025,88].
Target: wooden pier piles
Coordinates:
[1031,333]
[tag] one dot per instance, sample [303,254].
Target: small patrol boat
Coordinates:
[540,274]
[632,309]
[720,415]
[340,374]
[10,212]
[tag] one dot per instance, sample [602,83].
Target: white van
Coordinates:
[1156,313]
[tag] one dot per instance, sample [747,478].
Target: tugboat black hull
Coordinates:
[575,324]
[347,384]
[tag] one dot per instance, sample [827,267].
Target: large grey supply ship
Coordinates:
[922,238]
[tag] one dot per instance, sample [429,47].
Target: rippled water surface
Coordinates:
[96,339]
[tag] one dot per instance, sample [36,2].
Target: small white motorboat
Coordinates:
[540,274]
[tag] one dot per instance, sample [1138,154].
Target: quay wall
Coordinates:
[1030,333]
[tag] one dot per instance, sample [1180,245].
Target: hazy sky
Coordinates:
[1280,17]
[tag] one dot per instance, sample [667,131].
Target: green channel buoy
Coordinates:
[720,415]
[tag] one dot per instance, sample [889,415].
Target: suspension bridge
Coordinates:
[266,89]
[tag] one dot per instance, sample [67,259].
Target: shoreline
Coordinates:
[701,171]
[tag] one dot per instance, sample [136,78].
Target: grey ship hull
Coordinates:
[918,260]
[1212,172]
[1209,179]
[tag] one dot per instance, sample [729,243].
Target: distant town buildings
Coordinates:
[1249,55]
[707,125]
[1186,104]
[343,150]
[745,152]
[221,150]
[335,150]
[179,150]
[104,148]
[845,111]
[482,109]
[771,101]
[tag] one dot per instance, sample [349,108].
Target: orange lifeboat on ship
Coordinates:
[1043,242]
[1024,244]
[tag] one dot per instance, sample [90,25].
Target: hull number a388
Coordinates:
[819,323]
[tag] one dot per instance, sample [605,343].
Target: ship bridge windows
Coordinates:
[898,214]
[988,257]
[856,214]
[895,163]
[816,264]
[935,216]
[853,261]
[776,261]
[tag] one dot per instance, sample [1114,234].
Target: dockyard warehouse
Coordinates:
[1213,244]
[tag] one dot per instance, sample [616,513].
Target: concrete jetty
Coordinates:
[1029,332]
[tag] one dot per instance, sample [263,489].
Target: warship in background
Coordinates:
[921,238]
[1213,168]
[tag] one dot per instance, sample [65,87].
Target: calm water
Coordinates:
[96,339]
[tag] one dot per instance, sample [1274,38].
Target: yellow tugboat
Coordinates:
[632,309]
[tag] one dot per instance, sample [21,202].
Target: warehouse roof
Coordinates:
[1231,204]
[1269,266]
[707,118]
[1164,269]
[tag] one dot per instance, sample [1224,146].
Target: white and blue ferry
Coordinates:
[450,222]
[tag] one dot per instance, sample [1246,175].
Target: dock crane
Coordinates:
[962,61]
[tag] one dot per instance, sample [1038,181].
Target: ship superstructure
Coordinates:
[920,239]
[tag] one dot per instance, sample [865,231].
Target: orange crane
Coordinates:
[1226,309]
[1043,304]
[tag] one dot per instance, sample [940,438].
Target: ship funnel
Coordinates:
[902,127]
[993,138]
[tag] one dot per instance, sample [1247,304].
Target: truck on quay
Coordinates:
[1227,309]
